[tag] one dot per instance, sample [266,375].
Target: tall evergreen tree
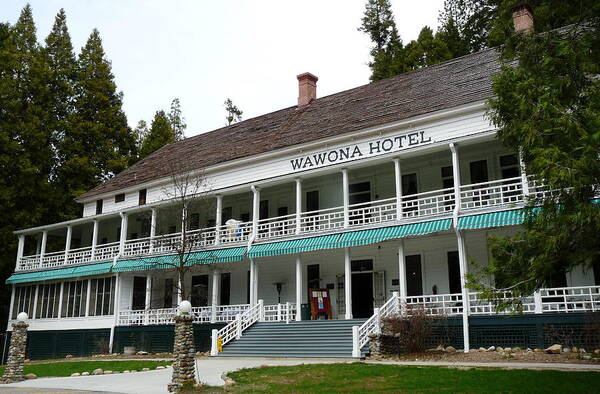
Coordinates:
[99,143]
[161,133]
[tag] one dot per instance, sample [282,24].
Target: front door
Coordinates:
[414,281]
[362,295]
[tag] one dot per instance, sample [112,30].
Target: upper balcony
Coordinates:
[387,193]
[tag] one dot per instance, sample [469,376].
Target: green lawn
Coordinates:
[358,378]
[66,368]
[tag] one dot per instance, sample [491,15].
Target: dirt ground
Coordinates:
[496,356]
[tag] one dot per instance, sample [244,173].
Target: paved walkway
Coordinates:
[211,370]
[150,382]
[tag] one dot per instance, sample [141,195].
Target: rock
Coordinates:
[85,374]
[554,349]
[450,349]
[160,367]
[491,348]
[76,374]
[566,350]
[98,371]
[108,372]
[69,356]
[145,369]
[142,353]
[30,376]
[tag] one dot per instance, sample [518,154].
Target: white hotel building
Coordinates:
[384,194]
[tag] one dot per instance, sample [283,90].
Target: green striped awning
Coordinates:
[162,262]
[295,246]
[365,237]
[61,273]
[492,219]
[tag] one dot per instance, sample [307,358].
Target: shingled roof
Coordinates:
[450,84]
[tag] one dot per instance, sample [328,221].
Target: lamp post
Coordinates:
[183,348]
[16,351]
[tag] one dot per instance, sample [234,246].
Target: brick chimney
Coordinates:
[522,15]
[307,89]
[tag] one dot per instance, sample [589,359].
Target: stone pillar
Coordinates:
[16,354]
[183,349]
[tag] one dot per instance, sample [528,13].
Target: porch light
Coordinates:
[185,307]
[22,317]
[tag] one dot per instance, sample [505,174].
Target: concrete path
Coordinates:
[150,382]
[508,365]
[211,369]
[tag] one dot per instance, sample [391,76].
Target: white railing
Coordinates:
[435,202]
[437,304]
[372,212]
[322,220]
[360,334]
[277,227]
[492,193]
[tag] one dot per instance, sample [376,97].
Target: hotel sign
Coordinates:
[361,150]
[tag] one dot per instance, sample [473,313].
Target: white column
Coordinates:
[255,209]
[152,229]
[87,297]
[524,181]
[401,273]
[123,232]
[346,196]
[456,180]
[43,246]
[462,258]
[216,276]
[218,218]
[148,298]
[20,247]
[348,283]
[298,205]
[12,302]
[35,299]
[398,182]
[68,242]
[60,299]
[94,238]
[298,287]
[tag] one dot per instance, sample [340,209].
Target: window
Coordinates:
[23,300]
[119,198]
[74,299]
[102,296]
[48,299]
[142,197]
[509,166]
[225,289]
[168,297]
[139,293]
[98,207]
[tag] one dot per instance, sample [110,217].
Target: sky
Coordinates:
[206,51]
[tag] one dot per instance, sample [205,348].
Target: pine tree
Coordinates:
[176,120]
[99,143]
[161,133]
[234,114]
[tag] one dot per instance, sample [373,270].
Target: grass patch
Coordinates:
[69,367]
[359,378]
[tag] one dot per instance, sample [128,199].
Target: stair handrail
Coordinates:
[235,328]
[360,334]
